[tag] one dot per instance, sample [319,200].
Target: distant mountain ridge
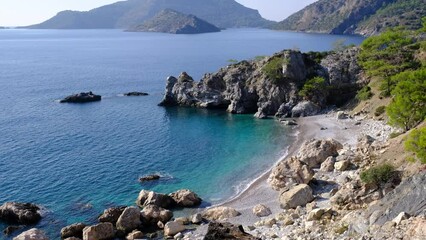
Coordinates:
[170,21]
[365,17]
[130,13]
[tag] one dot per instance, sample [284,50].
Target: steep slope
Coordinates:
[170,21]
[365,17]
[127,14]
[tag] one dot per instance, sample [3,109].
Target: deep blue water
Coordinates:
[76,160]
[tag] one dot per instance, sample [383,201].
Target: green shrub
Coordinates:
[416,143]
[380,110]
[378,175]
[273,69]
[364,94]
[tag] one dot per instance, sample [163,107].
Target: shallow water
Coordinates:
[76,160]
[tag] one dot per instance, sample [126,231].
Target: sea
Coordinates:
[77,160]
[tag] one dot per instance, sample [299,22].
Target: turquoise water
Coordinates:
[76,160]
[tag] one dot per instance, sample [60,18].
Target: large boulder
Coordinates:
[101,231]
[83,97]
[290,172]
[225,230]
[186,198]
[261,210]
[305,109]
[152,214]
[111,214]
[146,198]
[129,220]
[21,213]
[220,213]
[313,152]
[299,195]
[74,230]
[172,228]
[32,234]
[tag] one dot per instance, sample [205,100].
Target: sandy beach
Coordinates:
[259,192]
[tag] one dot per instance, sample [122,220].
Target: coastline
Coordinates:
[259,191]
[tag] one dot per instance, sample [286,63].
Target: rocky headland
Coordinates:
[248,87]
[171,21]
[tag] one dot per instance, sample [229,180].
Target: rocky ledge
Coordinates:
[20,213]
[246,87]
[83,97]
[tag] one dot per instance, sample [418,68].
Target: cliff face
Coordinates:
[364,17]
[130,13]
[170,21]
[245,87]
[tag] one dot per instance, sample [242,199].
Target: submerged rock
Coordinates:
[135,94]
[21,213]
[83,97]
[147,178]
[11,229]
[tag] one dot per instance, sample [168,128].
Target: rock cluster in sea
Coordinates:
[83,97]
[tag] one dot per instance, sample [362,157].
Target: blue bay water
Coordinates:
[76,160]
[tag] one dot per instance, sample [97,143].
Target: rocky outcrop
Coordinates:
[101,231]
[129,220]
[299,195]
[186,198]
[225,230]
[153,214]
[83,97]
[74,230]
[290,172]
[146,198]
[111,214]
[408,197]
[170,21]
[21,213]
[314,152]
[220,213]
[246,87]
[32,234]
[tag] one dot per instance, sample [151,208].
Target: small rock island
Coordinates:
[171,21]
[83,97]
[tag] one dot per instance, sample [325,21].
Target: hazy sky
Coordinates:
[27,12]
